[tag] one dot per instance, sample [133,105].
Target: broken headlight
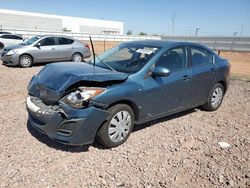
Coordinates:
[80,98]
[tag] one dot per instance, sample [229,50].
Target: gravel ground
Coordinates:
[177,151]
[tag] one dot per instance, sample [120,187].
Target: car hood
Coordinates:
[60,76]
[8,48]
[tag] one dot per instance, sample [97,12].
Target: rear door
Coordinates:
[47,52]
[203,72]
[65,48]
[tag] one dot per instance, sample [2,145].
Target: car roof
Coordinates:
[9,34]
[164,43]
[41,36]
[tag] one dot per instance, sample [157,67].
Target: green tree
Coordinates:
[142,33]
[129,32]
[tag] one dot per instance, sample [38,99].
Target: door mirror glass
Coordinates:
[160,71]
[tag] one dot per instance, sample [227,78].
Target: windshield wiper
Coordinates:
[101,61]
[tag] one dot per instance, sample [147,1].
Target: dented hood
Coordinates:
[59,76]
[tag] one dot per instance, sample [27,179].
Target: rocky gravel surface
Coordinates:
[181,150]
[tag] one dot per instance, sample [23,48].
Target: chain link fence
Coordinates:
[241,44]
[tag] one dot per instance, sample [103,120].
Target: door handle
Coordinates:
[186,78]
[53,49]
[212,70]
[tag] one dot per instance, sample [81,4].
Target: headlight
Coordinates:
[11,52]
[79,99]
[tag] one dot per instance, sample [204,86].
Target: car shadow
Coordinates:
[163,119]
[78,149]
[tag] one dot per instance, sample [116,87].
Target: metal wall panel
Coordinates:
[13,21]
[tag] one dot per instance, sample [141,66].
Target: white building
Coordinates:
[20,20]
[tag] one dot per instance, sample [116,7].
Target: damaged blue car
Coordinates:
[132,83]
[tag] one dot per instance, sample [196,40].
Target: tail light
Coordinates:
[86,45]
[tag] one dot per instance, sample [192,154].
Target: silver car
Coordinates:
[45,48]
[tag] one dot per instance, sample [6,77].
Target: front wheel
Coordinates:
[25,61]
[117,129]
[215,98]
[77,57]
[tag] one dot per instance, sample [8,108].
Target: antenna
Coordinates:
[173,21]
[93,51]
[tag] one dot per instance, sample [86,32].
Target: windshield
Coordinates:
[31,40]
[127,58]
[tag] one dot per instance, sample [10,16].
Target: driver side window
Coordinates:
[48,41]
[173,59]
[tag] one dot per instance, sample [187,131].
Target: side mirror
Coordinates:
[37,45]
[160,71]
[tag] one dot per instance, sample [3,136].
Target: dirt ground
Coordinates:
[177,151]
[240,62]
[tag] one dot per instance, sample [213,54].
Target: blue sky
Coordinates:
[213,17]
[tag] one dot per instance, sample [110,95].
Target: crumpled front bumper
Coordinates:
[64,124]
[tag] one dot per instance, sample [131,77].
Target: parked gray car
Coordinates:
[45,48]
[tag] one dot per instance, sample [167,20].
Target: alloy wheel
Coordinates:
[77,58]
[25,61]
[217,97]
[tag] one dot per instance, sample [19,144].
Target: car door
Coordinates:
[163,95]
[203,73]
[65,48]
[45,50]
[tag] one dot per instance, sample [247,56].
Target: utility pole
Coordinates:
[241,30]
[233,46]
[196,31]
[173,22]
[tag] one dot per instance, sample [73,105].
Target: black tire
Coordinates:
[209,106]
[1,46]
[77,57]
[25,61]
[103,134]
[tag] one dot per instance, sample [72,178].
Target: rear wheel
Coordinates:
[77,57]
[25,61]
[215,98]
[117,129]
[1,46]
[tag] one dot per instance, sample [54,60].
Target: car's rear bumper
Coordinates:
[64,124]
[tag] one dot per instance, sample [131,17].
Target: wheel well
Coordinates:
[130,104]
[224,85]
[28,55]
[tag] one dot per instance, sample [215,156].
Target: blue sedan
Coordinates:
[132,83]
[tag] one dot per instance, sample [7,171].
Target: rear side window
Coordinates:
[49,41]
[200,56]
[173,59]
[64,41]
[16,37]
[6,37]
